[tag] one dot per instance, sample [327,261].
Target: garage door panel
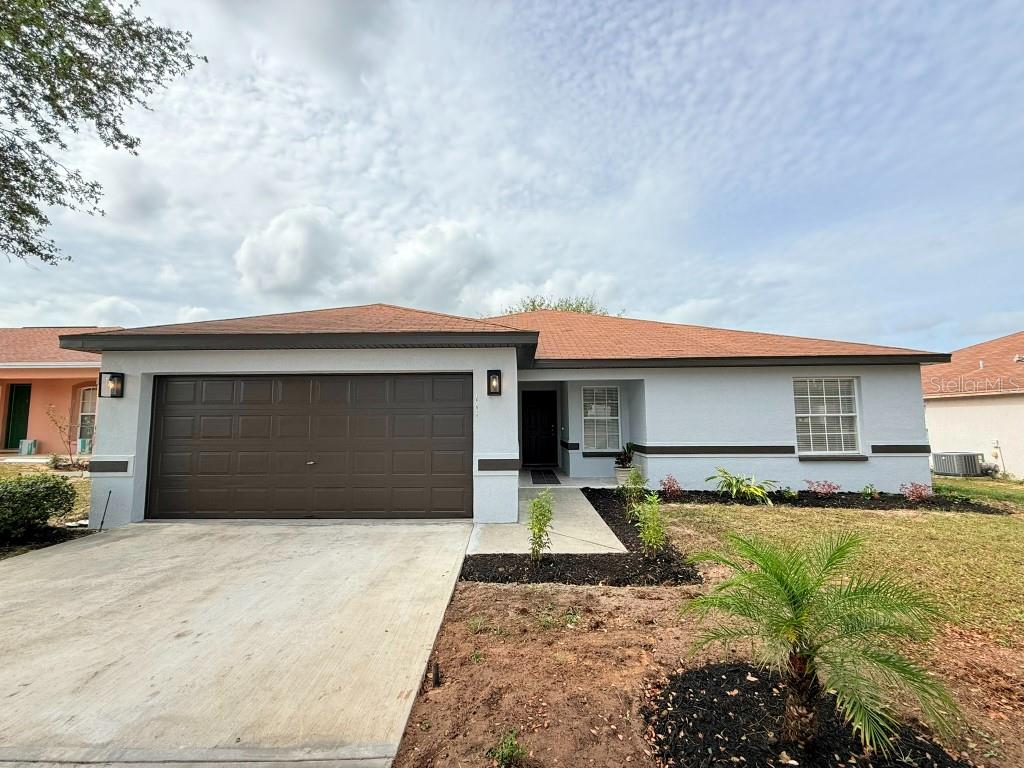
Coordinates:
[304,446]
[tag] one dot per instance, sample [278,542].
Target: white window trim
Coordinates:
[584,417]
[859,450]
[81,398]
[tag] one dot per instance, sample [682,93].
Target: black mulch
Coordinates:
[544,477]
[843,500]
[724,715]
[615,569]
[44,538]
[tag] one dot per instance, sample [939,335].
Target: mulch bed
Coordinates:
[842,500]
[613,569]
[729,714]
[48,537]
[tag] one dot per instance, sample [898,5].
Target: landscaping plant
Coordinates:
[671,490]
[869,492]
[624,458]
[822,487]
[743,487]
[634,492]
[27,502]
[825,626]
[915,491]
[509,753]
[541,513]
[653,537]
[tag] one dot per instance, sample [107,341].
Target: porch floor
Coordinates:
[576,528]
[526,481]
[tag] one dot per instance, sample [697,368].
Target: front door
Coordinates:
[17,415]
[540,428]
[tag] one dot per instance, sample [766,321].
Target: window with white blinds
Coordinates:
[601,419]
[826,415]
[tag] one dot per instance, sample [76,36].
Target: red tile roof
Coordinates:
[989,368]
[369,318]
[575,336]
[42,345]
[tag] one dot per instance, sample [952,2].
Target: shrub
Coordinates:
[624,458]
[671,489]
[653,537]
[822,487]
[27,502]
[869,491]
[541,513]
[633,492]
[916,491]
[508,753]
[743,487]
[788,494]
[827,627]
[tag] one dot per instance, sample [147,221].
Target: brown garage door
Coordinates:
[312,446]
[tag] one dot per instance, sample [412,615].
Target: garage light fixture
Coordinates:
[494,382]
[111,384]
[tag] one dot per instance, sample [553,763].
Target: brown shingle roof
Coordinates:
[42,345]
[368,318]
[989,368]
[575,336]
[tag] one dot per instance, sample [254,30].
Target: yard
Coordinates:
[568,668]
[58,532]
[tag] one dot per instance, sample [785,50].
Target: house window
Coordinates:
[601,419]
[87,413]
[826,415]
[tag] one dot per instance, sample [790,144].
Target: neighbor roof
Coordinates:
[993,367]
[39,347]
[572,338]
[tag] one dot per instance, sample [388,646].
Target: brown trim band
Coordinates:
[834,457]
[713,362]
[497,465]
[600,454]
[569,446]
[724,450]
[901,449]
[108,466]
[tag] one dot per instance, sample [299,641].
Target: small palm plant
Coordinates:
[825,627]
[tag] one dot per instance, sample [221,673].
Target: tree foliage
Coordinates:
[826,627]
[587,305]
[65,65]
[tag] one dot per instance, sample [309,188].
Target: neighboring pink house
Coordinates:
[36,373]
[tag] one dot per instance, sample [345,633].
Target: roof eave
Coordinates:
[716,362]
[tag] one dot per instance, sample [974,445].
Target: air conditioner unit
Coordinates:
[958,464]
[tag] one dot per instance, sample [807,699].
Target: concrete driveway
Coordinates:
[222,642]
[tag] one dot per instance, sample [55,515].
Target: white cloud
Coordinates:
[192,314]
[113,310]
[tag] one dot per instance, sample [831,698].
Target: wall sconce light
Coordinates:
[494,382]
[111,384]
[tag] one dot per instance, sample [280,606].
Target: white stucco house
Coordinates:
[381,411]
[975,402]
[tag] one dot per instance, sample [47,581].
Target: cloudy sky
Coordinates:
[843,169]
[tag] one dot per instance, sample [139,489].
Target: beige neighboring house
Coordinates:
[975,402]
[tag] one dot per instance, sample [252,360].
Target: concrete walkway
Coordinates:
[222,642]
[576,528]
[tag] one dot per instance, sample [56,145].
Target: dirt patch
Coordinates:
[721,715]
[620,569]
[47,538]
[842,500]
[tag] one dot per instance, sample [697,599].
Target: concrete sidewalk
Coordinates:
[576,528]
[222,642]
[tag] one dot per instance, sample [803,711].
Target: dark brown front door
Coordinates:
[395,446]
[540,428]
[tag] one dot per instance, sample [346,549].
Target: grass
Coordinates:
[972,563]
[982,488]
[82,485]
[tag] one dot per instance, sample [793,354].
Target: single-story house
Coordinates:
[381,411]
[37,375]
[975,402]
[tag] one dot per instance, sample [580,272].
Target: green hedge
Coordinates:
[27,502]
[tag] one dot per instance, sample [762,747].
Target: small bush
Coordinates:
[27,502]
[822,487]
[788,494]
[671,489]
[869,492]
[916,491]
[743,487]
[508,753]
[653,537]
[541,513]
[624,458]
[634,492]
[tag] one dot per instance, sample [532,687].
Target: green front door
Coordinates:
[17,415]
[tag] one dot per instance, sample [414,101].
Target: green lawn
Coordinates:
[982,488]
[973,563]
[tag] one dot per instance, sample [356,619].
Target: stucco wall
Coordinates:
[975,424]
[126,421]
[754,406]
[61,393]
